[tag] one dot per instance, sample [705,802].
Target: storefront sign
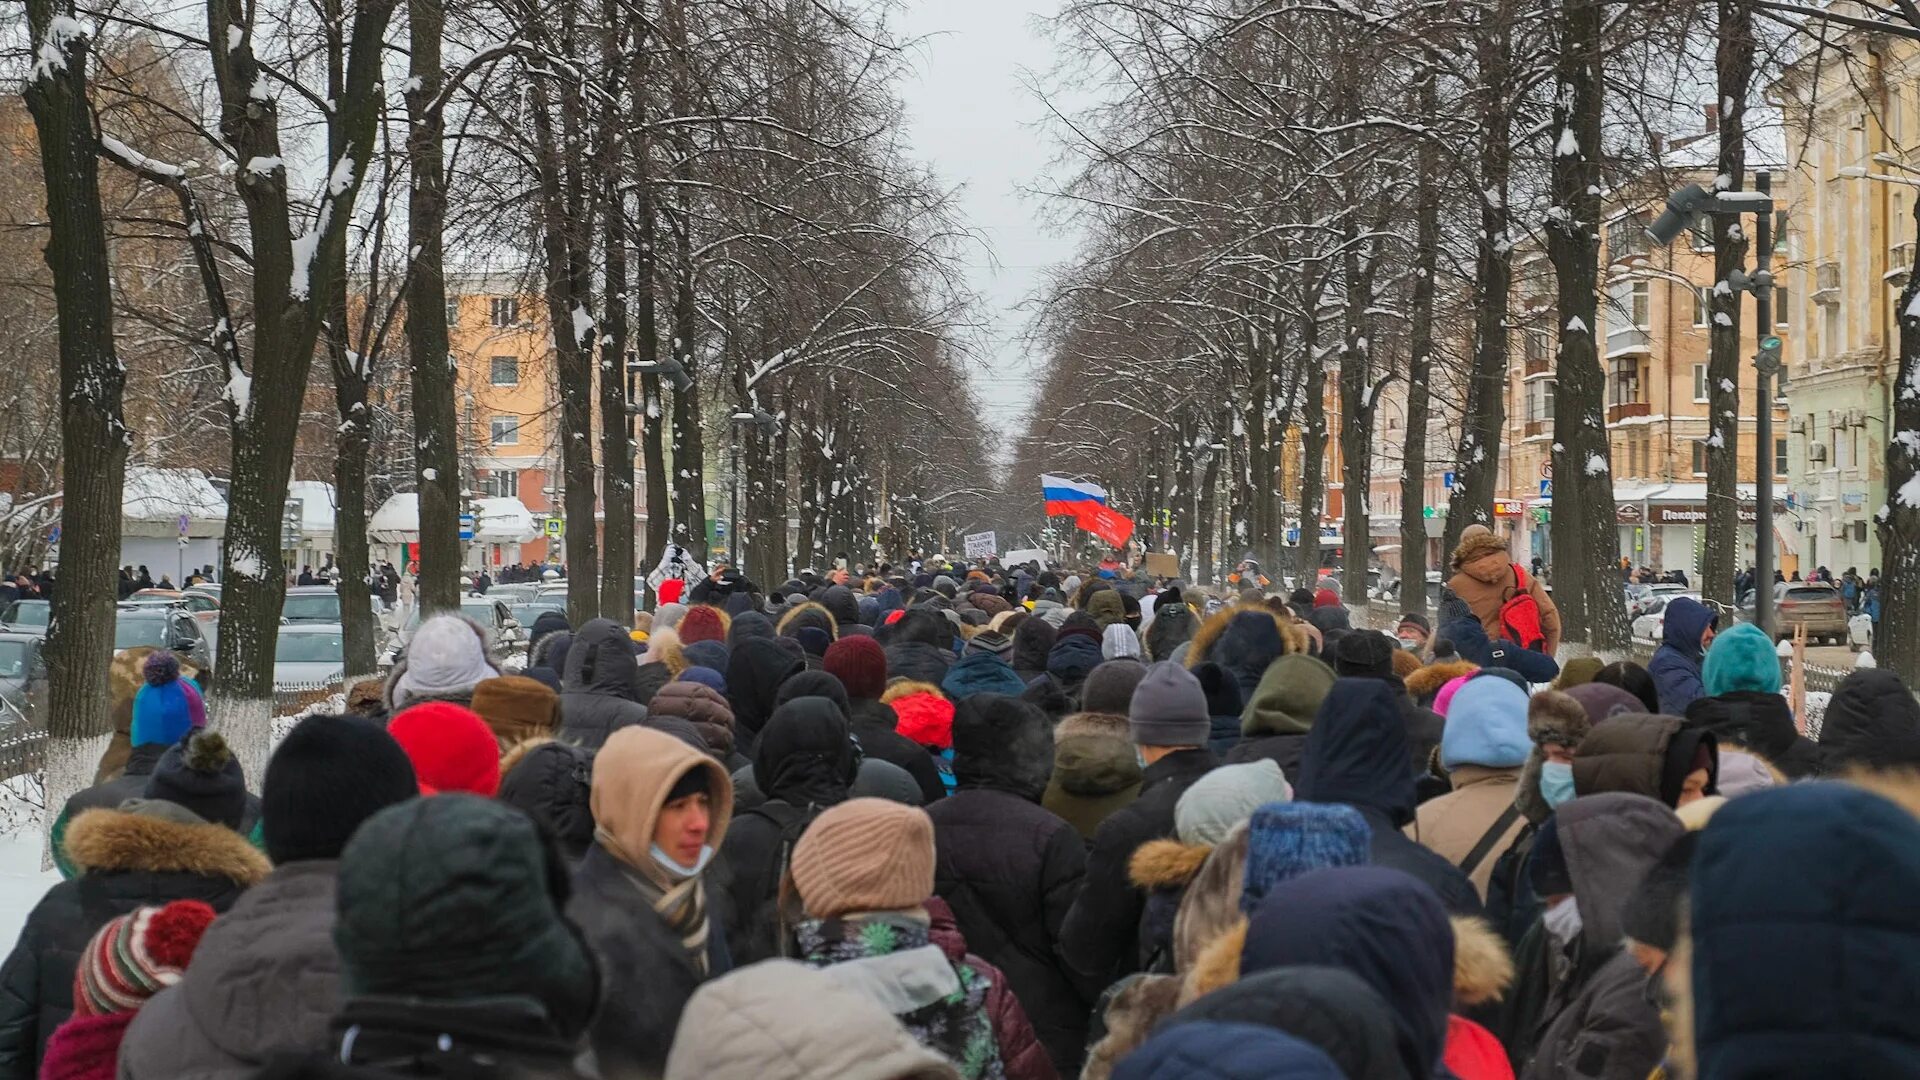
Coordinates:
[1509,508]
[1629,513]
[1696,513]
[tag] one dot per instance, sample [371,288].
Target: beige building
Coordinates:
[1852,120]
[1653,341]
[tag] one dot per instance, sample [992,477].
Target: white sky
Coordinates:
[972,118]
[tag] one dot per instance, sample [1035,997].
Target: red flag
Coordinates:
[1107,524]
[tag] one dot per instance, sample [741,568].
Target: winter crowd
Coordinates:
[1003,823]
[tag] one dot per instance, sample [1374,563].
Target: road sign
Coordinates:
[1546,468]
[183,524]
[1447,480]
[467,522]
[556,527]
[1546,488]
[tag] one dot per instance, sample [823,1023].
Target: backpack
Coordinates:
[1520,616]
[769,925]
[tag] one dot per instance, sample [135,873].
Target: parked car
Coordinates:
[311,604]
[28,616]
[23,671]
[308,654]
[1651,623]
[493,616]
[1664,589]
[1817,606]
[163,627]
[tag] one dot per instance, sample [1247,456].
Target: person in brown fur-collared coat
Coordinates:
[1484,578]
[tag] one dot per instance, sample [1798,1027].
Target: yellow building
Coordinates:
[1851,124]
[1653,341]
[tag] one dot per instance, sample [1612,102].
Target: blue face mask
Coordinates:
[1556,783]
[1140,757]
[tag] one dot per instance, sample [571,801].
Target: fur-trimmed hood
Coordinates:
[1482,968]
[664,648]
[105,841]
[1092,723]
[1476,545]
[900,688]
[513,754]
[1200,649]
[812,613]
[1426,682]
[1166,864]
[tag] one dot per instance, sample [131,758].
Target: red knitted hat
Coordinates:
[451,748]
[861,666]
[926,718]
[671,590]
[702,623]
[137,955]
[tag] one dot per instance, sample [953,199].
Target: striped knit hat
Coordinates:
[137,955]
[864,855]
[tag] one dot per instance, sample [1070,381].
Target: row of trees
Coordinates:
[1302,225]
[738,263]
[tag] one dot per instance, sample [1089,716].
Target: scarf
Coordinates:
[682,905]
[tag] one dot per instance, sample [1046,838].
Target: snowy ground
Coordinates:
[22,882]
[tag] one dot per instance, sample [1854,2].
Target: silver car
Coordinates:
[309,654]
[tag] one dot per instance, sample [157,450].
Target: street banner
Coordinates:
[981,545]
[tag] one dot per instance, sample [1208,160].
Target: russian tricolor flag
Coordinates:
[1072,498]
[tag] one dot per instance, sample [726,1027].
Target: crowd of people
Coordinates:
[980,821]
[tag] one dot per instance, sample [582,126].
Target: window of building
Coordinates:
[502,484]
[453,311]
[1840,447]
[1701,232]
[506,430]
[1699,383]
[1626,381]
[1540,401]
[1779,457]
[1627,236]
[506,371]
[1782,307]
[1702,306]
[1830,323]
[505,311]
[1642,305]
[1534,342]
[1699,457]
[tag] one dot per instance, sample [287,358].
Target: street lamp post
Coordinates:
[1682,205]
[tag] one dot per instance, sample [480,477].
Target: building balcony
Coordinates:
[1627,410]
[1535,428]
[1539,365]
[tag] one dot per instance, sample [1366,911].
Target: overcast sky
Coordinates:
[972,118]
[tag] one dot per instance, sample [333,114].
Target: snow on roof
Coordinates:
[316,505]
[398,519]
[503,521]
[166,494]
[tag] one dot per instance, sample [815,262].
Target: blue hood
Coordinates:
[1743,658]
[1806,936]
[1357,751]
[981,673]
[1380,924]
[1486,725]
[1686,620]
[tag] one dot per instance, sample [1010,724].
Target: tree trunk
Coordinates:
[1588,592]
[1733,62]
[1479,465]
[292,295]
[1896,638]
[1313,443]
[93,436]
[1413,459]
[436,425]
[566,223]
[616,423]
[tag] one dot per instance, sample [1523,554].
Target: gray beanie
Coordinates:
[1226,798]
[1169,708]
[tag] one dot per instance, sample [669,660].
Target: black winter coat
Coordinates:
[873,728]
[755,671]
[1357,754]
[379,1038]
[130,784]
[1101,937]
[1331,1008]
[1284,750]
[1011,871]
[645,975]
[1760,722]
[126,860]
[918,661]
[597,686]
[803,764]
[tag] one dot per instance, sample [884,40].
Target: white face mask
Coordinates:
[666,861]
[1562,922]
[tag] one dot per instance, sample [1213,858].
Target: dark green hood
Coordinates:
[1287,698]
